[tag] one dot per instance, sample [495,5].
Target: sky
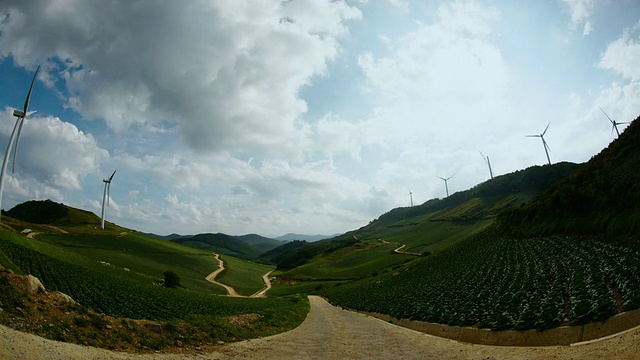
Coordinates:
[304,116]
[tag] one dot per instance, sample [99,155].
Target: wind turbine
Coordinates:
[105,195]
[445,183]
[614,124]
[486,159]
[411,197]
[544,143]
[20,115]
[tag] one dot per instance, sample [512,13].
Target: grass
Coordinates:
[361,260]
[244,276]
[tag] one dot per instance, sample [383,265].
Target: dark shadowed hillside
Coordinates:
[49,212]
[602,197]
[220,243]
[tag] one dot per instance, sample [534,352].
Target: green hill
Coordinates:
[547,263]
[260,243]
[602,197]
[423,229]
[220,243]
[49,212]
[119,272]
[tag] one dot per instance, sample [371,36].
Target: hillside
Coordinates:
[116,276]
[423,229]
[260,243]
[49,212]
[602,197]
[220,243]
[545,264]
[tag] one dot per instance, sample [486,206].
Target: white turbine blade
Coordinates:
[546,145]
[605,114]
[15,152]
[31,113]
[111,177]
[545,129]
[26,102]
[532,135]
[612,127]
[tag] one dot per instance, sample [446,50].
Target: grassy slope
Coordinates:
[426,228]
[244,276]
[495,281]
[361,260]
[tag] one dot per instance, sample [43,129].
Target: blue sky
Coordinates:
[302,116]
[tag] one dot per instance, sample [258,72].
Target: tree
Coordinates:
[171,279]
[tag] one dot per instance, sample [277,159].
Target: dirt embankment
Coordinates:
[332,333]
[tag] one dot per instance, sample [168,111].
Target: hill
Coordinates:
[116,275]
[423,229]
[602,197]
[547,263]
[49,212]
[220,243]
[260,243]
[301,237]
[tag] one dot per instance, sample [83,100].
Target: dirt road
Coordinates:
[231,291]
[333,333]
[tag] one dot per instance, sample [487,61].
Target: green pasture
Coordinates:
[244,276]
[361,260]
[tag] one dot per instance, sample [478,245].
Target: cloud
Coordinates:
[53,156]
[227,73]
[622,55]
[580,11]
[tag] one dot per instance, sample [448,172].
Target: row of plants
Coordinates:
[496,282]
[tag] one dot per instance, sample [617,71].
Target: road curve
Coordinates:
[330,333]
[231,291]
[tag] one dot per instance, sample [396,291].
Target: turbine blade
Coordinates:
[545,129]
[26,102]
[15,152]
[111,177]
[612,127]
[532,135]
[605,114]
[546,145]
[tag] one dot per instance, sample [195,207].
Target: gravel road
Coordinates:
[333,333]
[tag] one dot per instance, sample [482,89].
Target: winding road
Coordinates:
[231,291]
[330,333]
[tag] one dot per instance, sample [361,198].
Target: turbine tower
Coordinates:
[411,197]
[20,115]
[614,124]
[544,143]
[486,159]
[446,186]
[105,196]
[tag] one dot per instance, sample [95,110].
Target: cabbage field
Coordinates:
[493,281]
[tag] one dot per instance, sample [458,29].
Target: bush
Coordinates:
[171,279]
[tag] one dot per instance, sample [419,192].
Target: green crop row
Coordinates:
[492,281]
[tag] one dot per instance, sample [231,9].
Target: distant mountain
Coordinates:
[309,238]
[221,243]
[277,255]
[168,237]
[260,243]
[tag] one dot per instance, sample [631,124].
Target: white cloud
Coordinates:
[623,55]
[53,156]
[228,73]
[580,11]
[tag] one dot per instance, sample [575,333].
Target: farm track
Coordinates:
[398,250]
[231,291]
[329,332]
